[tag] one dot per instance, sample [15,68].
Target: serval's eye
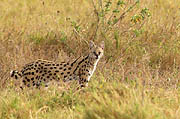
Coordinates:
[99,53]
[95,54]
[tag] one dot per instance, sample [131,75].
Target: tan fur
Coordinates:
[42,72]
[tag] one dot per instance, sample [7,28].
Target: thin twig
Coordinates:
[121,16]
[124,13]
[98,19]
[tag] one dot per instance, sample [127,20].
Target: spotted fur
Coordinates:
[41,72]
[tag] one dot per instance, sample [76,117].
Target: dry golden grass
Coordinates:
[138,77]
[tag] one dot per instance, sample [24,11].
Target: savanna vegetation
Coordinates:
[137,78]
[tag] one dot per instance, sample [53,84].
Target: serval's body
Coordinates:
[42,72]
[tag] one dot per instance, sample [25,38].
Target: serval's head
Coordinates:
[96,51]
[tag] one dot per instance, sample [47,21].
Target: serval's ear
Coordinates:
[91,44]
[102,44]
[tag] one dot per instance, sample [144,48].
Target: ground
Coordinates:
[137,78]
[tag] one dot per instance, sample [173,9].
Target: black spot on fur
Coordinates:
[82,85]
[76,69]
[32,78]
[24,82]
[28,80]
[37,84]
[75,61]
[83,60]
[16,77]
[60,68]
[64,69]
[23,72]
[36,77]
[28,85]
[21,87]
[12,75]
[57,71]
[62,73]
[65,76]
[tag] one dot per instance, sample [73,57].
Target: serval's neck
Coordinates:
[83,61]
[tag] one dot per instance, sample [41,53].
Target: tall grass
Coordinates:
[137,78]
